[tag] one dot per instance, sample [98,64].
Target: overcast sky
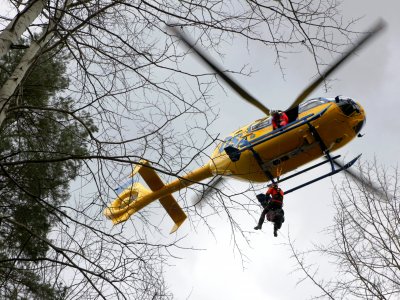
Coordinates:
[373,79]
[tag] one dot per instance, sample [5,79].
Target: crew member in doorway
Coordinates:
[279,119]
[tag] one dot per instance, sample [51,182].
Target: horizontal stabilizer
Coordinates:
[134,198]
[168,202]
[174,210]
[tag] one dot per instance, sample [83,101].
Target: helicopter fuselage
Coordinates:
[283,150]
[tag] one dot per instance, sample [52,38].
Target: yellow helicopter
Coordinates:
[258,152]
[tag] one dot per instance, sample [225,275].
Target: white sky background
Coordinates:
[373,79]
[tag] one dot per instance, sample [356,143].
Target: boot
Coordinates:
[275,230]
[257,227]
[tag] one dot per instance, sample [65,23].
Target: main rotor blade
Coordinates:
[212,186]
[229,80]
[363,181]
[371,33]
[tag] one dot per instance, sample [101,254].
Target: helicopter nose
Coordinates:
[357,128]
[361,119]
[348,106]
[352,109]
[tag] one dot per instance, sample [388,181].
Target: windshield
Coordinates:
[313,103]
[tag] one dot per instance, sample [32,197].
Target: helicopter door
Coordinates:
[292,114]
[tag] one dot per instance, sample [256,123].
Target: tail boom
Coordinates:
[137,196]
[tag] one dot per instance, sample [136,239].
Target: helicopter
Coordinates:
[258,152]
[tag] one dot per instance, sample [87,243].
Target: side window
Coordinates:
[225,143]
[310,104]
[243,143]
[236,141]
[261,124]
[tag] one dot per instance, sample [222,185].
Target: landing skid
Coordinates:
[332,172]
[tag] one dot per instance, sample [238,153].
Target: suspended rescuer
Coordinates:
[272,203]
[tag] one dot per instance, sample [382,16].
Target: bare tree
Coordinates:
[127,72]
[364,241]
[21,21]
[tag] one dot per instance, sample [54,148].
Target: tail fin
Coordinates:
[122,207]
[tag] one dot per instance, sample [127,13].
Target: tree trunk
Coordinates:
[9,87]
[19,24]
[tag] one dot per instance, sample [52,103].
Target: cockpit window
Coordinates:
[261,124]
[312,103]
